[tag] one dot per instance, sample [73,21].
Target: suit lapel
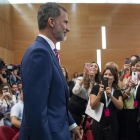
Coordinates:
[45,43]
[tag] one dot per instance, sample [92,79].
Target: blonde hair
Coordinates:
[115,66]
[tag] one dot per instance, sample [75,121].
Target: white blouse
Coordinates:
[4,106]
[74,80]
[80,90]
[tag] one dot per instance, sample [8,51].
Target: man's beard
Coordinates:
[58,33]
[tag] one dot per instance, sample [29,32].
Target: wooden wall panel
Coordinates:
[6,40]
[122,23]
[7,55]
[117,56]
[5,11]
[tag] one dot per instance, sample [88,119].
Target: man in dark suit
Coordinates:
[45,90]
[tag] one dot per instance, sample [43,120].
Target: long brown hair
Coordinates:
[115,74]
[67,74]
[97,78]
[74,75]
[2,86]
[133,64]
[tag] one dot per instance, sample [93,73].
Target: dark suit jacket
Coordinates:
[45,94]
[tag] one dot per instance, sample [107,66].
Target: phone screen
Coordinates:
[135,77]
[105,82]
[87,67]
[127,61]
[5,89]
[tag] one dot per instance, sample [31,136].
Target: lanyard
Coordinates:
[8,106]
[135,92]
[108,101]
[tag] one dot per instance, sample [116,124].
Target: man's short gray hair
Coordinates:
[47,10]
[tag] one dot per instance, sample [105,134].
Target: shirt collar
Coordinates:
[49,41]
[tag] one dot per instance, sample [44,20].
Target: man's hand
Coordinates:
[78,133]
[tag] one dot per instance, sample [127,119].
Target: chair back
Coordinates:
[16,136]
[6,133]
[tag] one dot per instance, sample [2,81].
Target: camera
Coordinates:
[2,64]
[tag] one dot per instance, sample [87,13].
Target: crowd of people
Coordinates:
[11,99]
[53,104]
[121,99]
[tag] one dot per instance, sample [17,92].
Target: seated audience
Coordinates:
[6,102]
[111,97]
[17,112]
[81,91]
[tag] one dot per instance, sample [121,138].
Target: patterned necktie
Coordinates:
[57,55]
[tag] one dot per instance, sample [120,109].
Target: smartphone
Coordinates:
[87,67]
[135,77]
[127,61]
[105,82]
[5,89]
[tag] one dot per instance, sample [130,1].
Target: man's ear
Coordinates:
[51,22]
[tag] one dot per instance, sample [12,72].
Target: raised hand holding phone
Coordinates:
[135,77]
[5,89]
[7,94]
[101,89]
[87,67]
[127,61]
[105,82]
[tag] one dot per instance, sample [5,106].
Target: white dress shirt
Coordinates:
[17,110]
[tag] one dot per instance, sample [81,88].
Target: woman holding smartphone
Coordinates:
[6,102]
[81,91]
[111,97]
[131,97]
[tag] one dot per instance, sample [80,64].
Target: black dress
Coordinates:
[77,107]
[70,85]
[106,121]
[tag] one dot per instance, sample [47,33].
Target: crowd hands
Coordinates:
[120,96]
[11,99]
